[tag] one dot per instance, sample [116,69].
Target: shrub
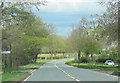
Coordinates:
[117,60]
[84,60]
[102,60]
[103,57]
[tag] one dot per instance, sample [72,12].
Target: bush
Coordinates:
[84,60]
[102,60]
[103,57]
[117,60]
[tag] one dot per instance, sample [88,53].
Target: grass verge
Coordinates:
[18,73]
[100,66]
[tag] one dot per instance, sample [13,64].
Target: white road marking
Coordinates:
[66,73]
[77,80]
[27,78]
[32,72]
[56,67]
[63,71]
[72,77]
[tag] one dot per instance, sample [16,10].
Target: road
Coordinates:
[56,70]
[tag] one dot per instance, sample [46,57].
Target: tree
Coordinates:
[109,22]
[56,44]
[26,36]
[85,39]
[33,45]
[77,40]
[91,46]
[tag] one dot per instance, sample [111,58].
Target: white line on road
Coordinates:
[72,77]
[77,80]
[30,75]
[27,78]
[66,73]
[34,71]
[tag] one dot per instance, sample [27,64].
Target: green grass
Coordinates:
[35,66]
[14,76]
[0,78]
[18,73]
[100,66]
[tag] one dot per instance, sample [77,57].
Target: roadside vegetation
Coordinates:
[26,35]
[100,66]
[20,72]
[29,38]
[95,41]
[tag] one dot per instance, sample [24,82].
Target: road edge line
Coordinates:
[31,73]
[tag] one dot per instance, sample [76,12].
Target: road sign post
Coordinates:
[5,58]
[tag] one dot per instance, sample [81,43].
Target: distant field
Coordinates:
[57,55]
[48,55]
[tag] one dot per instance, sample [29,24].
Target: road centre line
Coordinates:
[66,73]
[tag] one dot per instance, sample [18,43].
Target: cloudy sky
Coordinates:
[65,13]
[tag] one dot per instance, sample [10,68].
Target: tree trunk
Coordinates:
[79,55]
[92,57]
[2,4]
[5,63]
[35,58]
